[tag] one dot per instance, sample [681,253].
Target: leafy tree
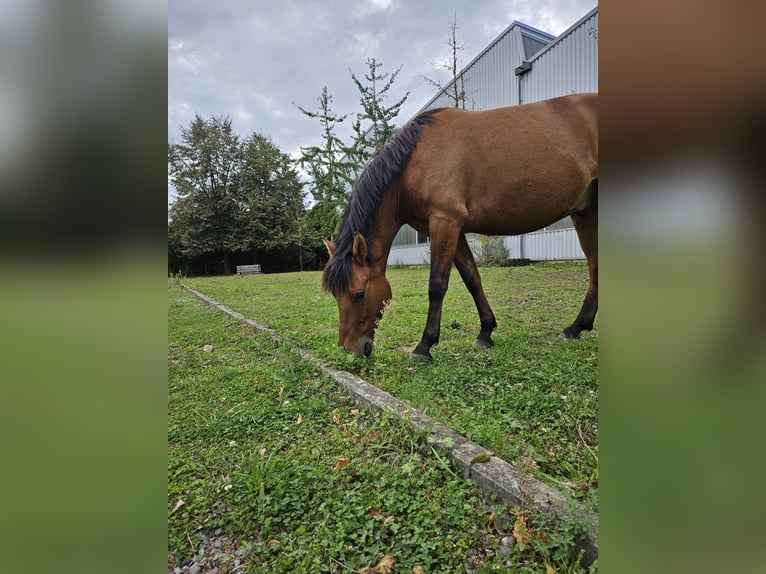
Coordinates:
[272,196]
[234,196]
[204,169]
[374,126]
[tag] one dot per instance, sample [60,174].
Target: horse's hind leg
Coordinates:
[466,266]
[586,225]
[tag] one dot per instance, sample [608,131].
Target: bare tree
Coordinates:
[455,89]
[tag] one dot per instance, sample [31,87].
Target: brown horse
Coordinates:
[449,172]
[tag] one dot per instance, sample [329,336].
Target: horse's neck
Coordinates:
[385,228]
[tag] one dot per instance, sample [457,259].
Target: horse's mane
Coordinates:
[380,172]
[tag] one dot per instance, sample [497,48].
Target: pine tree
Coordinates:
[374,126]
[330,167]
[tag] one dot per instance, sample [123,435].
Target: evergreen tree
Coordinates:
[330,168]
[374,126]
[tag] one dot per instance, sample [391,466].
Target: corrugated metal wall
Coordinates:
[488,79]
[566,65]
[551,245]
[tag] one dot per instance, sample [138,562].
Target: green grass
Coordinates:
[532,399]
[263,446]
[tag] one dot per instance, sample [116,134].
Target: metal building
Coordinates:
[522,65]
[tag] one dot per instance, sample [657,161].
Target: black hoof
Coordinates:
[427,358]
[484,344]
[566,334]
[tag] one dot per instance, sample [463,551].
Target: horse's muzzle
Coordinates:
[362,348]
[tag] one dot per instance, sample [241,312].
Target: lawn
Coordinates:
[272,456]
[532,399]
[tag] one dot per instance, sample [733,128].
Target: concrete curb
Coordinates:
[496,475]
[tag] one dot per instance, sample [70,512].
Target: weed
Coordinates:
[261,470]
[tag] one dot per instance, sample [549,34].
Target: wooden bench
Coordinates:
[247,269]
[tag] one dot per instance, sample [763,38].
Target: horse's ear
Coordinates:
[360,248]
[329,245]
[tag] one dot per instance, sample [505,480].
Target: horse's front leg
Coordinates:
[466,266]
[444,238]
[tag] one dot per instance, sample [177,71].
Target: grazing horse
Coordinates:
[449,172]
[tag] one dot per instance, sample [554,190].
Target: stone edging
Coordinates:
[510,485]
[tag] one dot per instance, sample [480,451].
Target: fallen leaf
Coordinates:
[490,388]
[341,461]
[388,519]
[262,451]
[376,513]
[548,568]
[418,570]
[354,412]
[300,419]
[383,567]
[373,435]
[281,390]
[336,416]
[272,543]
[177,505]
[207,348]
[520,531]
[491,522]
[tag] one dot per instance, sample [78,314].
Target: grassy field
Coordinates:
[532,399]
[275,458]
[299,480]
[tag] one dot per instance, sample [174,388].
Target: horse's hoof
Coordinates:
[427,358]
[482,344]
[565,335]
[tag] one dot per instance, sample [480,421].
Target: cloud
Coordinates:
[251,60]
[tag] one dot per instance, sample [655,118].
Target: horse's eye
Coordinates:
[358,296]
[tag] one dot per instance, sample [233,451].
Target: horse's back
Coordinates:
[506,170]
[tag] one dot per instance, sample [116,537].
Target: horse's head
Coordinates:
[361,302]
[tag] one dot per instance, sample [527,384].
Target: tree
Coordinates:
[204,168]
[333,165]
[272,196]
[234,196]
[455,90]
[329,166]
[374,126]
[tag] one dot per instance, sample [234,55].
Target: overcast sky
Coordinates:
[250,59]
